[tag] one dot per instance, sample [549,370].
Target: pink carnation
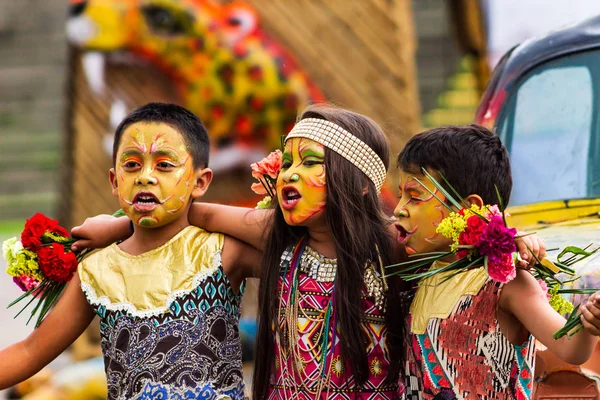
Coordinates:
[26,282]
[493,210]
[270,165]
[504,270]
[258,189]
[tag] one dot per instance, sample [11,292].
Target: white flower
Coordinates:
[10,248]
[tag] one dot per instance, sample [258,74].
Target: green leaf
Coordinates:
[441,189]
[458,196]
[576,251]
[500,204]
[578,291]
[436,196]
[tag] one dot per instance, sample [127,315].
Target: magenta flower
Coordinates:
[26,282]
[497,240]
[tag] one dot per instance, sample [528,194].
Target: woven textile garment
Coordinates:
[458,350]
[169,320]
[314,298]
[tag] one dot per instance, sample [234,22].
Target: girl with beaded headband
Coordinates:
[334,334]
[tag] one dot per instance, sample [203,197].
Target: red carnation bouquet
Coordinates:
[481,237]
[41,263]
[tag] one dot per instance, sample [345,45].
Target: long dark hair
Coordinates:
[358,225]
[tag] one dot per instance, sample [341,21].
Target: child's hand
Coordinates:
[590,314]
[525,243]
[100,231]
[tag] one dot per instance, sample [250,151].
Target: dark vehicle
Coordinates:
[544,102]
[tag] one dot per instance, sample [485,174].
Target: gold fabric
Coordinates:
[436,299]
[149,282]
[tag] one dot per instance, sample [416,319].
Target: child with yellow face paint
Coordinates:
[169,295]
[472,337]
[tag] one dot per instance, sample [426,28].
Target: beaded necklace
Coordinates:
[306,260]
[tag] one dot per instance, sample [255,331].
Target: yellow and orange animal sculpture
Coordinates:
[242,83]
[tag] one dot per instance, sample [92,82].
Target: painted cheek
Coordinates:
[312,203]
[317,180]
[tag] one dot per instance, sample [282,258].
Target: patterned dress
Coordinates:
[169,320]
[458,350]
[301,383]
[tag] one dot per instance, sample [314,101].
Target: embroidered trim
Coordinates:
[126,306]
[234,391]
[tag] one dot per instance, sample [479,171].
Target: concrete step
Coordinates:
[39,160]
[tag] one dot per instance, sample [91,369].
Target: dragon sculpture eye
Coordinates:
[77,8]
[164,21]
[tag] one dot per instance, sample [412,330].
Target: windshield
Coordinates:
[550,127]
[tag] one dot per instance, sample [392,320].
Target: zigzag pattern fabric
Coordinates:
[466,356]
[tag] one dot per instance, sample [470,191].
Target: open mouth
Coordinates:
[403,234]
[289,197]
[145,201]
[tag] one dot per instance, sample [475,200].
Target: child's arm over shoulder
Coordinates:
[60,328]
[524,298]
[245,224]
[240,261]
[100,231]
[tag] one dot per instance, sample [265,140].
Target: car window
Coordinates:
[549,129]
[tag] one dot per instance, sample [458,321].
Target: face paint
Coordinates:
[301,186]
[154,173]
[419,213]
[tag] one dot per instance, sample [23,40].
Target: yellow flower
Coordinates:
[558,302]
[475,210]
[25,263]
[55,238]
[451,227]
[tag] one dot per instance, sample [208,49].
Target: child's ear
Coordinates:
[113,181]
[203,179]
[474,199]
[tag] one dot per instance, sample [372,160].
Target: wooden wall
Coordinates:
[360,52]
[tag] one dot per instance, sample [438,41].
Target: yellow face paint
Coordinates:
[301,189]
[154,174]
[419,214]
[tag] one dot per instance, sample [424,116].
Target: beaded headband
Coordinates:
[336,138]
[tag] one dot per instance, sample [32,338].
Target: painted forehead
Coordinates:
[409,180]
[148,138]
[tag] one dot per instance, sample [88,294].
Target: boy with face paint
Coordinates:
[169,295]
[472,338]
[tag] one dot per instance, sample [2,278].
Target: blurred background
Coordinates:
[71,70]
